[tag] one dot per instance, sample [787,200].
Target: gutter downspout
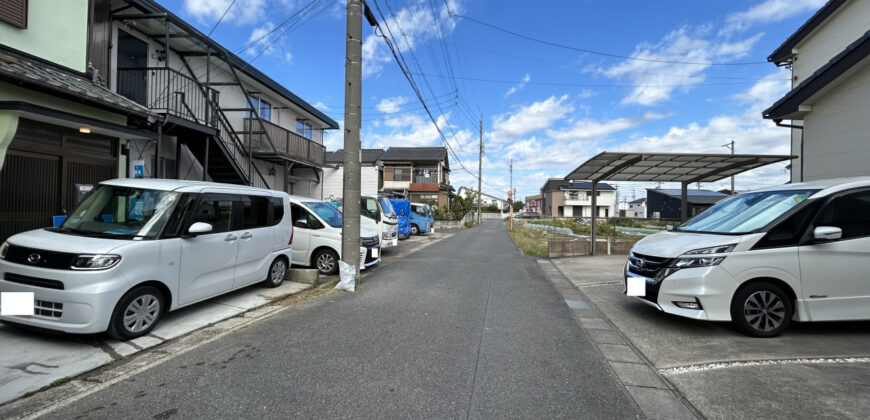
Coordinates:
[796,127]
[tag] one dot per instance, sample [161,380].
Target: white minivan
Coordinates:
[762,259]
[134,249]
[317,237]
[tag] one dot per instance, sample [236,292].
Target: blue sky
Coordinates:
[547,108]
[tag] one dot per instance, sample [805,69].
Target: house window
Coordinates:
[303,129]
[262,108]
[426,175]
[572,195]
[14,12]
[397,174]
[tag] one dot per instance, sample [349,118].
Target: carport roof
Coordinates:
[668,167]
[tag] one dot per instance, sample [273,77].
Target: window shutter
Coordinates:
[14,12]
[388,174]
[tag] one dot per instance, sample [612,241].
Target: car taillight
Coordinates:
[292,231]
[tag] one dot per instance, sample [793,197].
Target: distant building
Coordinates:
[486,200]
[637,208]
[565,198]
[667,204]
[420,174]
[534,203]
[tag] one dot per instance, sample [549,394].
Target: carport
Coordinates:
[685,168]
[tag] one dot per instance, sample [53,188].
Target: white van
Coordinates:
[134,249]
[377,214]
[317,237]
[761,259]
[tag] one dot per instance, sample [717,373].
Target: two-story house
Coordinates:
[60,131]
[534,203]
[637,208]
[827,107]
[418,173]
[567,198]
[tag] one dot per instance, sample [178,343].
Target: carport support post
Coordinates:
[684,202]
[594,216]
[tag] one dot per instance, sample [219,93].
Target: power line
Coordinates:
[222,18]
[513,82]
[604,54]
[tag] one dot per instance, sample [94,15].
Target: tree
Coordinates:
[518,205]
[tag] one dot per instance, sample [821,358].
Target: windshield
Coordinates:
[121,212]
[419,210]
[746,212]
[387,206]
[328,213]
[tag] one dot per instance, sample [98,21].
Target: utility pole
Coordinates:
[511,196]
[479,170]
[731,146]
[350,225]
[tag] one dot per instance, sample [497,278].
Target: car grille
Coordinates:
[367,242]
[46,259]
[645,265]
[649,267]
[33,281]
[46,309]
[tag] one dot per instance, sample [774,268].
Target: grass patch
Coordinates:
[530,241]
[469,224]
[60,382]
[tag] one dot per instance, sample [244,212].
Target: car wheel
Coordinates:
[277,271]
[326,261]
[137,313]
[761,310]
[414,230]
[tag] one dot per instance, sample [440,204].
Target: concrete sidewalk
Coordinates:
[31,360]
[812,371]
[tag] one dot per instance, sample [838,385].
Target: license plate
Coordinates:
[433,230]
[636,286]
[16,303]
[395,241]
[374,252]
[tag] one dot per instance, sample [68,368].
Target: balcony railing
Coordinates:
[168,91]
[285,142]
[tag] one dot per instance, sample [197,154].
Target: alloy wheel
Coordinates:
[279,270]
[141,313]
[764,310]
[325,262]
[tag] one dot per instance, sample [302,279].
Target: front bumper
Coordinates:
[712,287]
[390,238]
[83,306]
[367,256]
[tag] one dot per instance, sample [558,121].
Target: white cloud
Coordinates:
[242,12]
[391,105]
[655,81]
[413,130]
[288,57]
[590,129]
[334,139]
[407,26]
[260,43]
[530,118]
[519,86]
[321,106]
[587,93]
[767,12]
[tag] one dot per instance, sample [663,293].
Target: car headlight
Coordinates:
[4,249]
[95,261]
[703,257]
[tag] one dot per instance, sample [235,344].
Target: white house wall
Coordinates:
[836,132]
[830,38]
[333,182]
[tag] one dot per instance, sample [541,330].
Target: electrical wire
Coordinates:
[600,53]
[222,18]
[513,82]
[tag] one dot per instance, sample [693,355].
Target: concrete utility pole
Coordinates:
[479,170]
[350,224]
[731,146]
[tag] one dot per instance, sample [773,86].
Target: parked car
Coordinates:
[528,215]
[421,219]
[377,214]
[317,237]
[402,208]
[134,249]
[762,259]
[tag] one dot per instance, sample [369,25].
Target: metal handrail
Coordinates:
[284,142]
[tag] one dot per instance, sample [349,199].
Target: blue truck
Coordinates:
[421,219]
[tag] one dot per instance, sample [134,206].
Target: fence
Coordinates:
[568,237]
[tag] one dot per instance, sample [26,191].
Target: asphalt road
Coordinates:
[465,328]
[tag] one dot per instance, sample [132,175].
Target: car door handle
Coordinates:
[231,238]
[247,235]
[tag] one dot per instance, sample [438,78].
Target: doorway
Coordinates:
[132,64]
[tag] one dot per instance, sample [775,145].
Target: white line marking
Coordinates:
[800,361]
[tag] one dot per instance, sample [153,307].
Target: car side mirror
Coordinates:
[827,233]
[199,228]
[301,223]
